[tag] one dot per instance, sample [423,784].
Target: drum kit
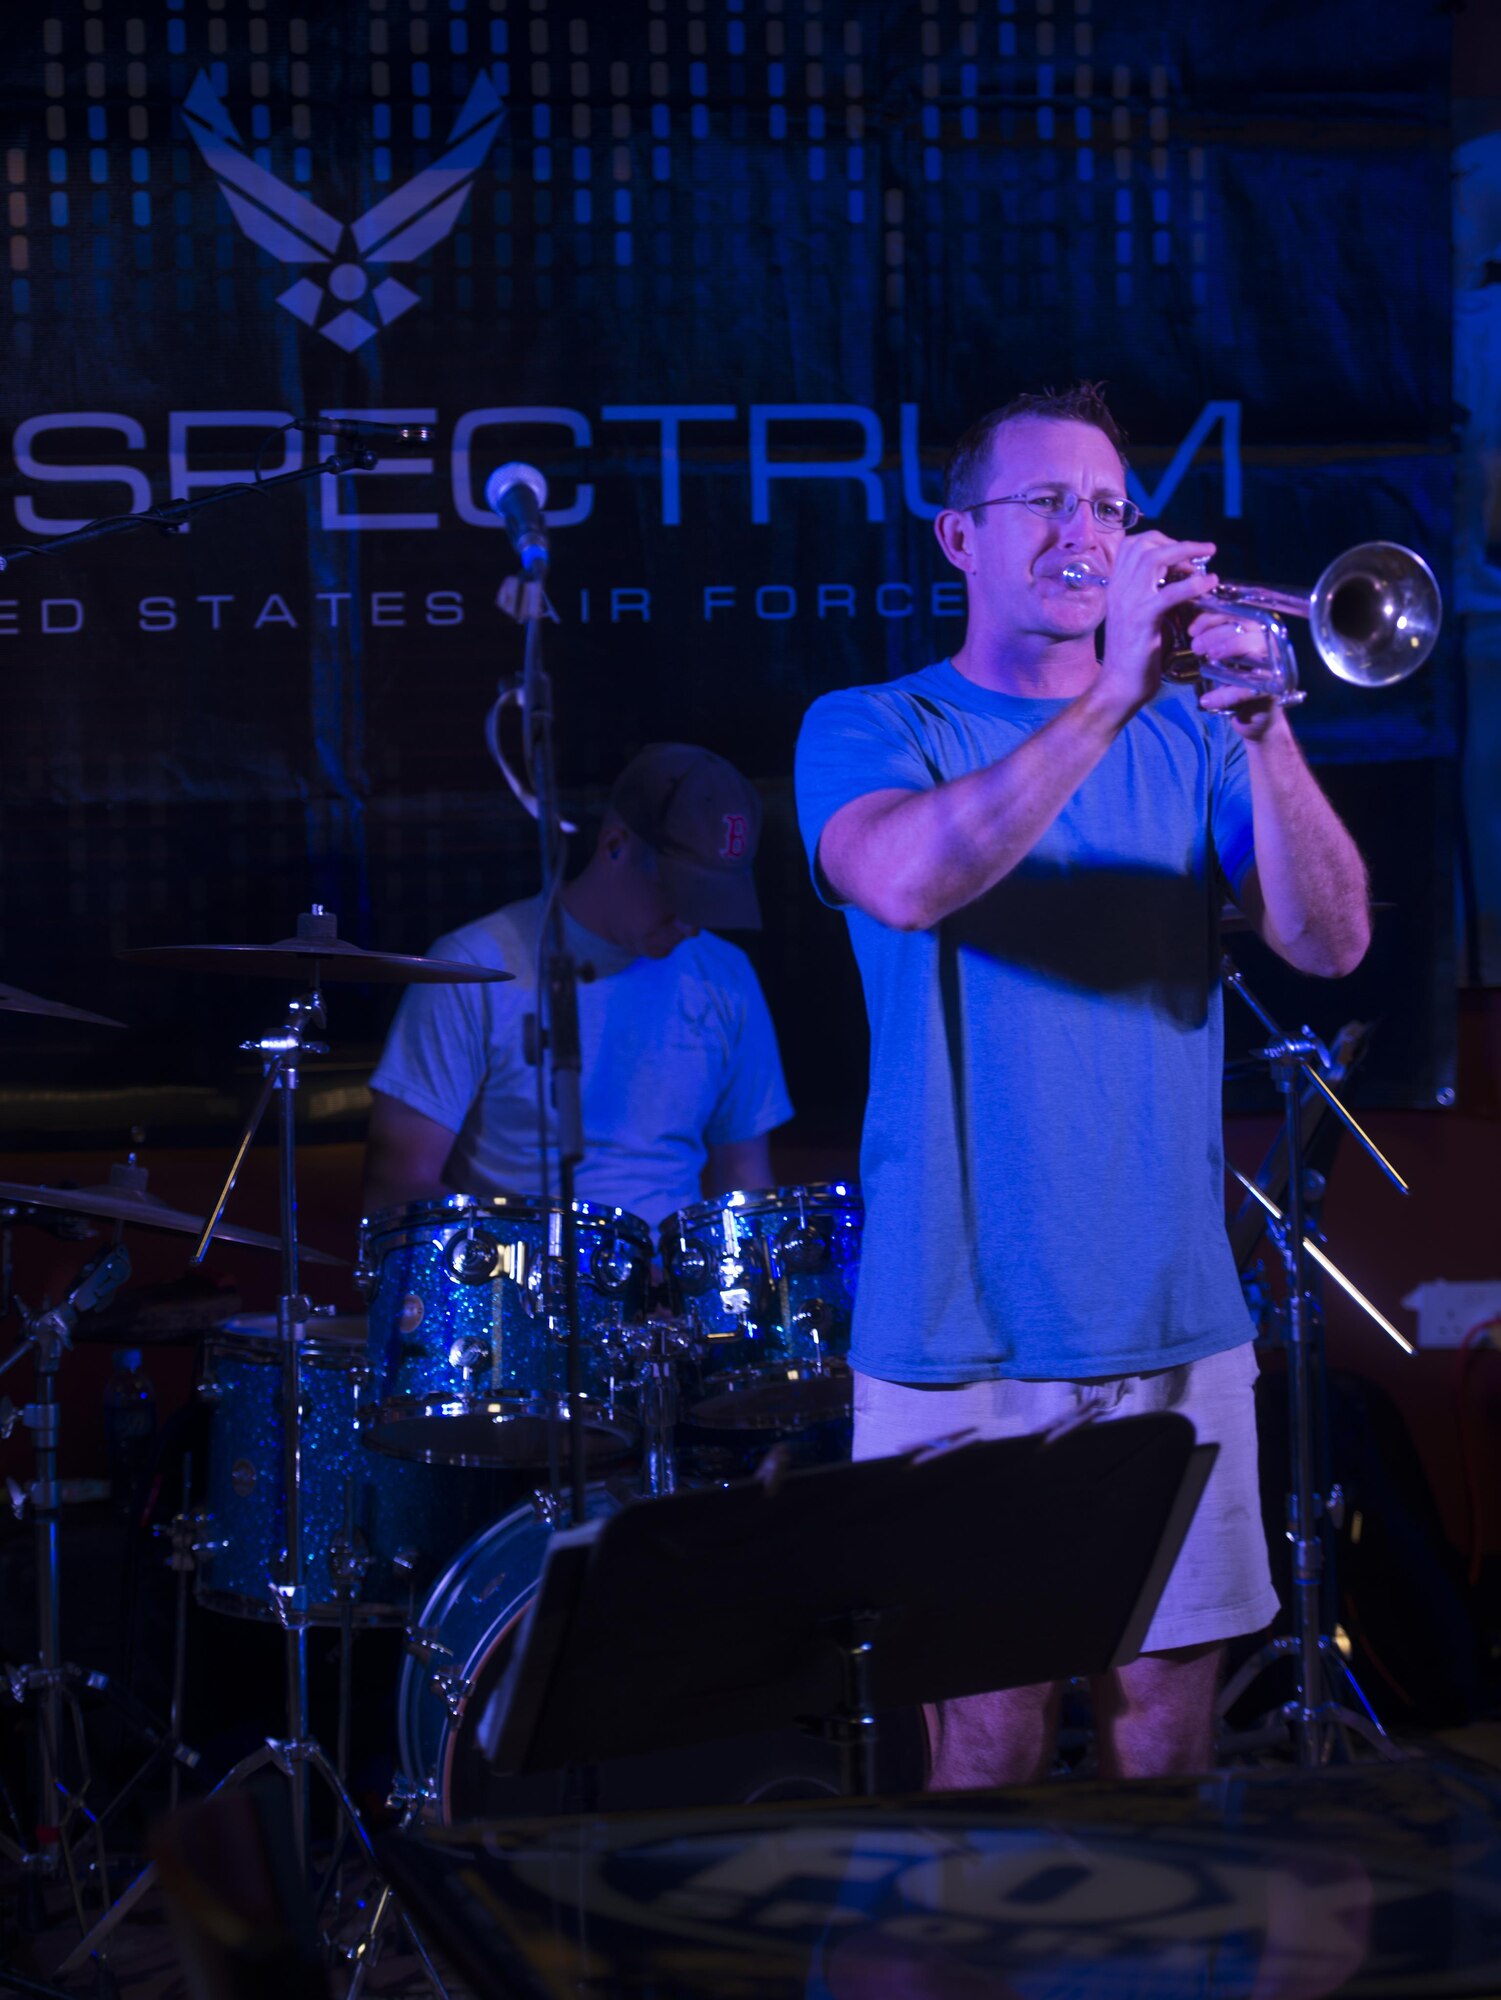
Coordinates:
[403,1470]
[467,1347]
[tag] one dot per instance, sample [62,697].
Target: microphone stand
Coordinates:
[356,457]
[557,1041]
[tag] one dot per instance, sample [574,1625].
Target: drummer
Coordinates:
[681,1079]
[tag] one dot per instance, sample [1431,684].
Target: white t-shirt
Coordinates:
[679,1054]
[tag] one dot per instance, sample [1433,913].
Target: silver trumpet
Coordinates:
[1374,616]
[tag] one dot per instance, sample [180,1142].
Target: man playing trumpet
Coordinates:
[1030,842]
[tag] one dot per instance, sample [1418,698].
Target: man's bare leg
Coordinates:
[1155,1717]
[1004,1738]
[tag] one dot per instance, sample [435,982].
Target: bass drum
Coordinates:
[459,1652]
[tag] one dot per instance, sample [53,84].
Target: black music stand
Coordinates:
[846,1589]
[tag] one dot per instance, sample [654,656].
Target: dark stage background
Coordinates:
[733,275]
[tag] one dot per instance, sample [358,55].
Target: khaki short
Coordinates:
[1221,1585]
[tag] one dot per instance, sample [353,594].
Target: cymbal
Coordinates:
[14,1001]
[177,1313]
[316,953]
[134,1205]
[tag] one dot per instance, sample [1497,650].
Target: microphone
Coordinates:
[373,429]
[518,493]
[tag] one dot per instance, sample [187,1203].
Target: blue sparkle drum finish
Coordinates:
[768,1280]
[457,1652]
[408,1519]
[468,1327]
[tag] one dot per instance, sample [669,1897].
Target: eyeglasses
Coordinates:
[1054,503]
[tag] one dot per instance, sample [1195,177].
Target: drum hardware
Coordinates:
[1316,1718]
[349,1563]
[282,1051]
[661,1344]
[690,1267]
[1374,616]
[184,1536]
[55,1683]
[468,1358]
[473,1257]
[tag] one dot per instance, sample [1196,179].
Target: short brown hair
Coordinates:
[1083,404]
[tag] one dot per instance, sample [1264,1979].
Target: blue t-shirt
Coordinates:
[1042,1160]
[678,1055]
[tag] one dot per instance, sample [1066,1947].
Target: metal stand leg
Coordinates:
[349,1564]
[43,1419]
[46,1847]
[658,1345]
[1318,1722]
[659,1415]
[300,1755]
[853,1727]
[295,1761]
[183,1535]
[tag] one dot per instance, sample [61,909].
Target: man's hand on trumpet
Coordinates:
[1151,576]
[1219,635]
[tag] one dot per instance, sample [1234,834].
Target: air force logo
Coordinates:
[400,227]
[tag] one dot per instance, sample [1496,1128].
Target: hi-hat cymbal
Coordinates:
[14,1001]
[176,1313]
[134,1205]
[316,953]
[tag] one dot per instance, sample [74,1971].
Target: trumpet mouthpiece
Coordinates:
[1079,576]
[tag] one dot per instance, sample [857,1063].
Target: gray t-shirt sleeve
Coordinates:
[856,741]
[434,1058]
[754,1097]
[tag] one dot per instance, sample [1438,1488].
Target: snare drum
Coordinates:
[407,1519]
[768,1280]
[469,1334]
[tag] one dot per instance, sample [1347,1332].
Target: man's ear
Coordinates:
[955,530]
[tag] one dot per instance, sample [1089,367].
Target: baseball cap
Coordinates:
[701,820]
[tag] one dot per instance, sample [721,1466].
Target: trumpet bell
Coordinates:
[1374,614]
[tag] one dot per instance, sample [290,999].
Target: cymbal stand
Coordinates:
[349,1563]
[183,1535]
[299,1754]
[1316,1717]
[47,1335]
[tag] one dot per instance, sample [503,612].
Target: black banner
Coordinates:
[732,276]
